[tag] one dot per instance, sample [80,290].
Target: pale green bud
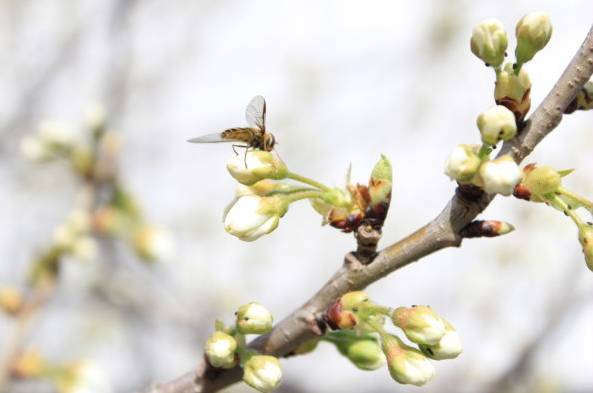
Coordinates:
[262,373]
[253,318]
[448,347]
[337,197]
[586,240]
[541,180]
[366,353]
[221,350]
[421,324]
[513,91]
[533,32]
[489,42]
[463,163]
[256,165]
[406,364]
[496,124]
[354,299]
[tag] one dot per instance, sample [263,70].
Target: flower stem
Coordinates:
[587,204]
[297,196]
[306,180]
[485,151]
[559,204]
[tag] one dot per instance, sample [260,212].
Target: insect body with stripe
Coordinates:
[255,136]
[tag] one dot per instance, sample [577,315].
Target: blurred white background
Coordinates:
[345,81]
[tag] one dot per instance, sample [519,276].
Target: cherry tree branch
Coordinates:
[441,232]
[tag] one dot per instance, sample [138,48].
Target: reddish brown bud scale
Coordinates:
[338,318]
[522,192]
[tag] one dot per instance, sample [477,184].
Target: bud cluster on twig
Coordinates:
[226,348]
[359,334]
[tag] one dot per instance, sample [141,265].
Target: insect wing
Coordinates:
[256,113]
[209,138]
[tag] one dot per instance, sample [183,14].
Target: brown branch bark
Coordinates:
[441,232]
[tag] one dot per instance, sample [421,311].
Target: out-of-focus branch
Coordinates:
[442,232]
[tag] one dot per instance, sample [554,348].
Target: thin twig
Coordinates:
[442,232]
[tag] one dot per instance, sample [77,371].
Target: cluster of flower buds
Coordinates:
[226,348]
[489,43]
[362,337]
[471,164]
[542,183]
[262,199]
[93,155]
[77,377]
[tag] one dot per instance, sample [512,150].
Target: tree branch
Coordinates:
[442,232]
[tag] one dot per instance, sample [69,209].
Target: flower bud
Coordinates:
[463,163]
[255,166]
[306,347]
[29,364]
[420,324]
[500,176]
[221,350]
[262,373]
[33,148]
[533,33]
[152,243]
[586,240]
[406,364]
[448,347]
[365,353]
[342,313]
[513,91]
[496,124]
[11,300]
[253,318]
[541,180]
[84,377]
[489,42]
[249,217]
[337,197]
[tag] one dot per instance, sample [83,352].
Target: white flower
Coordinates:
[253,318]
[262,373]
[256,165]
[420,324]
[220,350]
[500,176]
[533,33]
[406,364]
[250,216]
[496,124]
[448,347]
[463,163]
[489,42]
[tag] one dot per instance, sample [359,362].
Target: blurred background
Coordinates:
[344,81]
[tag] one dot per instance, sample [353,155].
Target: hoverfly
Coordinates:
[254,136]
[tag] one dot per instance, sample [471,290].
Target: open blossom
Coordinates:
[220,350]
[500,176]
[489,42]
[406,364]
[250,216]
[420,324]
[256,165]
[496,124]
[463,163]
[262,373]
[253,318]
